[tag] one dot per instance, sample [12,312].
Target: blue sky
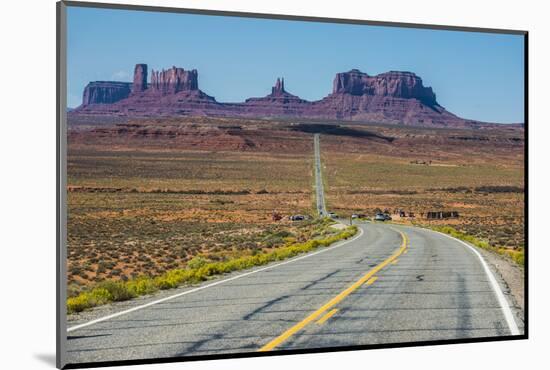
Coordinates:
[475,75]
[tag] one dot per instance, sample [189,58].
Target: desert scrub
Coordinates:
[197,270]
[95,297]
[197,262]
[516,255]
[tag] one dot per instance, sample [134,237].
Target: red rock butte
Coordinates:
[391,97]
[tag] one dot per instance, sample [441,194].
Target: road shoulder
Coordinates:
[511,278]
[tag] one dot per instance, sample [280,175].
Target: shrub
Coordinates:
[198,269]
[173,278]
[96,297]
[197,262]
[141,286]
[118,290]
[518,256]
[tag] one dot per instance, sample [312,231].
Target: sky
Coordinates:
[474,75]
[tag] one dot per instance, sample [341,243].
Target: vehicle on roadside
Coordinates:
[297,218]
[332,215]
[354,216]
[379,217]
[387,217]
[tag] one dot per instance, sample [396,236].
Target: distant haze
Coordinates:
[475,75]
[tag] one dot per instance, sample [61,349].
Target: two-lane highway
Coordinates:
[426,286]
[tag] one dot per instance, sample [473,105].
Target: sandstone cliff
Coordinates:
[174,80]
[105,92]
[140,78]
[403,85]
[391,97]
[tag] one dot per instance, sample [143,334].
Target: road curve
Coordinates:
[425,286]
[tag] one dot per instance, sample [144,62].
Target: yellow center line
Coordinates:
[337,299]
[327,316]
[371,280]
[394,262]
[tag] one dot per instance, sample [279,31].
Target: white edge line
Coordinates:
[504,306]
[108,317]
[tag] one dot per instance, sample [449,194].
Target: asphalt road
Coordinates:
[319,189]
[390,284]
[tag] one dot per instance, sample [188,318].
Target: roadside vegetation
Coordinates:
[516,255]
[201,268]
[145,213]
[425,171]
[153,205]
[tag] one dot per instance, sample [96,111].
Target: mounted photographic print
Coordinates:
[235,184]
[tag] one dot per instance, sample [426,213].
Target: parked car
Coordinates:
[354,216]
[380,217]
[332,215]
[297,218]
[387,217]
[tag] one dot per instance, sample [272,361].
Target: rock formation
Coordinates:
[391,97]
[279,88]
[279,103]
[140,78]
[174,80]
[105,92]
[404,85]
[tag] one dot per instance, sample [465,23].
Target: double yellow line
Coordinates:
[337,299]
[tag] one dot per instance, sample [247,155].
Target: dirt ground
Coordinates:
[148,195]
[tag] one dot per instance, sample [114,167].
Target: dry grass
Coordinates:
[146,213]
[147,197]
[200,269]
[483,183]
